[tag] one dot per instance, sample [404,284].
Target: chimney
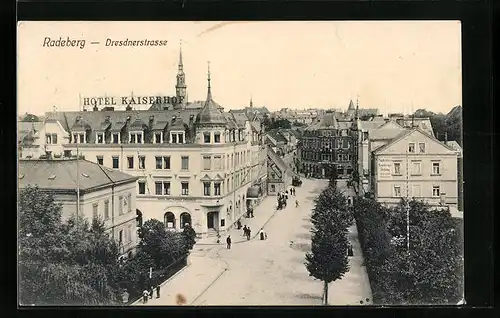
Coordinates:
[95,108]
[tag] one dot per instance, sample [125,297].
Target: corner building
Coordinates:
[197,166]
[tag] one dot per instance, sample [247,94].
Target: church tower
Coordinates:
[180,87]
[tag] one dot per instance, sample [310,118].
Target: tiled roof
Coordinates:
[384,134]
[407,132]
[62,174]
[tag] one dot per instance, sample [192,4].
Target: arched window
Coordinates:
[169,220]
[185,219]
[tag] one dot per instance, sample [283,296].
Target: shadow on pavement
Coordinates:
[307,226]
[313,298]
[304,236]
[302,247]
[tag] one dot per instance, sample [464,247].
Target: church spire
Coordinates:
[356,114]
[209,92]
[181,66]
[180,87]
[251,102]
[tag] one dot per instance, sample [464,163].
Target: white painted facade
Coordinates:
[416,166]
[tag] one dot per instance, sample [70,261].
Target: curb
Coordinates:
[164,283]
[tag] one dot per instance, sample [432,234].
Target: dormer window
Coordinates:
[99,138]
[206,138]
[135,137]
[78,138]
[177,137]
[158,139]
[116,138]
[191,117]
[217,138]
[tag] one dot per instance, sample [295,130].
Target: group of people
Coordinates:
[283,198]
[149,293]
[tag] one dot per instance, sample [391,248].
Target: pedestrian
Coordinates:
[244,230]
[238,224]
[261,234]
[251,213]
[228,241]
[145,295]
[158,291]
[296,203]
[151,291]
[249,233]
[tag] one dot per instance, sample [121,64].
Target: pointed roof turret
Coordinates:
[181,66]
[251,102]
[210,113]
[351,105]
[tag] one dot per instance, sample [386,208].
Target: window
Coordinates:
[51,139]
[130,162]
[416,191]
[135,138]
[436,191]
[116,138]
[139,138]
[95,213]
[173,138]
[217,162]
[206,188]
[48,139]
[207,163]
[421,147]
[142,162]
[416,167]
[120,238]
[100,160]
[185,188]
[162,162]
[217,188]
[217,138]
[166,188]
[397,191]
[82,138]
[162,187]
[170,220]
[142,187]
[180,138]
[206,137]
[115,162]
[158,188]
[158,138]
[120,205]
[132,139]
[345,144]
[436,168]
[129,200]
[184,163]
[106,210]
[100,138]
[411,147]
[397,168]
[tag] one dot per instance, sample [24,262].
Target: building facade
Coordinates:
[327,145]
[86,189]
[415,165]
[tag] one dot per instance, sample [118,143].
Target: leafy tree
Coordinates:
[330,218]
[189,235]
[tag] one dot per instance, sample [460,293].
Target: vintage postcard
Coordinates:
[240,163]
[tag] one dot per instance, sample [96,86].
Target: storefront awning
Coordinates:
[253,192]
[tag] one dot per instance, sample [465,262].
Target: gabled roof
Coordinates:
[62,174]
[408,132]
[391,124]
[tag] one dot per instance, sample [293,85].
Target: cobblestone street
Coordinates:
[269,272]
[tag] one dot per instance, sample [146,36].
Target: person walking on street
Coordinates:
[261,235]
[228,241]
[238,224]
[249,233]
[145,295]
[296,203]
[245,230]
[158,291]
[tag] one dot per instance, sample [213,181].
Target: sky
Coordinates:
[395,66]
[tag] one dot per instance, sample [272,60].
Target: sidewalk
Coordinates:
[190,282]
[262,214]
[354,288]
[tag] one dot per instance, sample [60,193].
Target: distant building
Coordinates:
[415,165]
[103,192]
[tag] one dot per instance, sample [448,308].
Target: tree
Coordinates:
[189,235]
[330,218]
